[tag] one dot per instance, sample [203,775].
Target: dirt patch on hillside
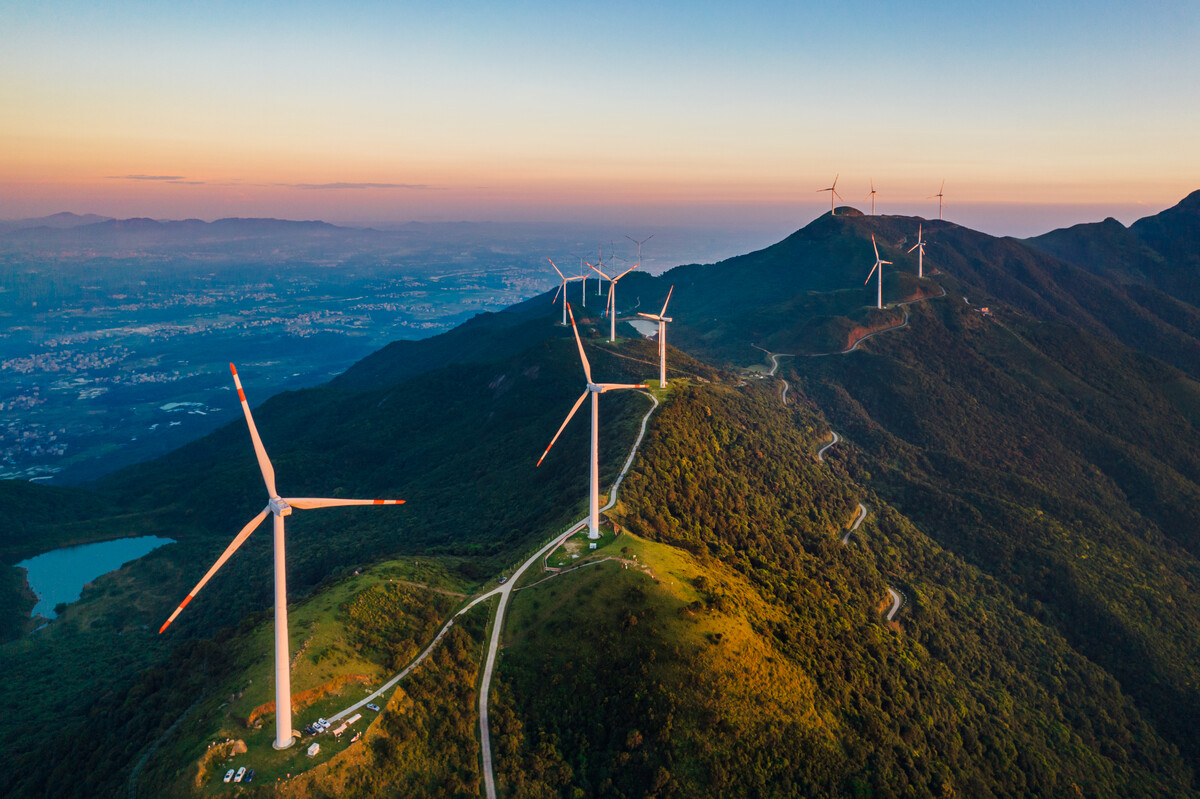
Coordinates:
[306,698]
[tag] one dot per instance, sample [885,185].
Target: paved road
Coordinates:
[505,591]
[896,602]
[862,514]
[821,451]
[902,306]
[775,356]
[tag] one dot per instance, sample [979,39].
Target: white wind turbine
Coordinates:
[562,289]
[595,389]
[611,308]
[662,320]
[280,508]
[639,245]
[871,196]
[939,198]
[920,248]
[832,193]
[879,262]
[583,276]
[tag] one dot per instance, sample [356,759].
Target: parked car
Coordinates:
[228,776]
[250,775]
[372,706]
[241,773]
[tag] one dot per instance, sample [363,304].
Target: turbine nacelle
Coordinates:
[280,507]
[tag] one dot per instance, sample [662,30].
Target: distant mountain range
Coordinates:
[1034,491]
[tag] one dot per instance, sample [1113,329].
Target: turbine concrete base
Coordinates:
[275,744]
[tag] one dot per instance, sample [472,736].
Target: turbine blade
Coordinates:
[873,268]
[663,312]
[556,269]
[626,272]
[308,503]
[915,246]
[885,262]
[655,317]
[238,540]
[598,272]
[612,284]
[876,246]
[587,367]
[264,463]
[615,386]
[574,408]
[560,288]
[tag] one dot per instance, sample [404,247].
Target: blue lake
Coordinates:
[60,574]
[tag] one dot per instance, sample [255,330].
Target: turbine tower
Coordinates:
[920,248]
[611,308]
[871,196]
[562,289]
[879,262]
[280,508]
[939,198]
[595,389]
[832,193]
[583,276]
[662,320]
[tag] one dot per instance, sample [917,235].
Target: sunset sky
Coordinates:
[665,113]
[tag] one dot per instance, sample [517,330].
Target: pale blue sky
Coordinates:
[533,109]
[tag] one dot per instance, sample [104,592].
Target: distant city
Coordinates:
[117,334]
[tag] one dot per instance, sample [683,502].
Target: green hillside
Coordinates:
[1033,492]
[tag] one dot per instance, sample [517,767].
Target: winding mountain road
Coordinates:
[861,516]
[505,591]
[775,356]
[902,306]
[821,451]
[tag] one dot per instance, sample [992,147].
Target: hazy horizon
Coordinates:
[997,219]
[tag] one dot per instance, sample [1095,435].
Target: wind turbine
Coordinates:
[562,289]
[871,196]
[662,320]
[920,248]
[583,276]
[595,389]
[939,198]
[280,508]
[879,262]
[639,244]
[833,193]
[611,308]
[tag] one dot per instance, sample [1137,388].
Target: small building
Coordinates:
[591,545]
[312,750]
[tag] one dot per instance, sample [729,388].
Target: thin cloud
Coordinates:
[417,186]
[148,177]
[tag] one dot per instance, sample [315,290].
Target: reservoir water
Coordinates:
[60,574]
